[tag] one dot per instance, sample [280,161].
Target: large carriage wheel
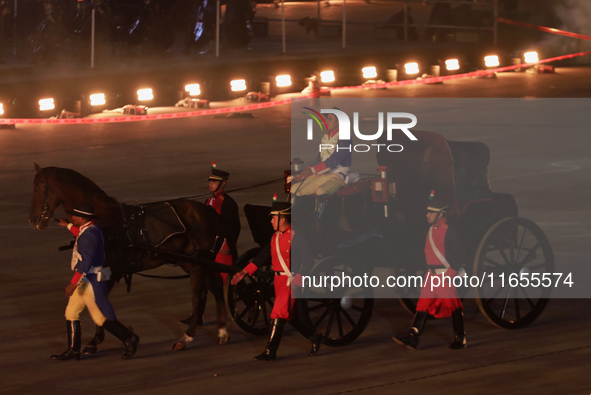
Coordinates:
[518,247]
[409,296]
[250,301]
[339,320]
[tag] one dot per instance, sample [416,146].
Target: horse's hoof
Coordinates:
[178,346]
[223,337]
[89,350]
[181,343]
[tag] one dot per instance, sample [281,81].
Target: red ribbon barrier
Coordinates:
[544,29]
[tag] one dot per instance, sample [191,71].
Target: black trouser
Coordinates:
[301,321]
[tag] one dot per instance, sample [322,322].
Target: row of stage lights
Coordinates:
[327,76]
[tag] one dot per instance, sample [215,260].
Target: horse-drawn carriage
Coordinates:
[380,222]
[348,233]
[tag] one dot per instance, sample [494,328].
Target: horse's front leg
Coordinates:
[98,338]
[197,274]
[216,285]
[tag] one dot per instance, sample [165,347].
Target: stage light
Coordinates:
[144,94]
[283,80]
[97,99]
[369,72]
[238,85]
[327,76]
[531,57]
[411,68]
[1,109]
[492,61]
[193,89]
[46,104]
[452,64]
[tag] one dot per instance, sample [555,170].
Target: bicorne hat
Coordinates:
[281,208]
[218,175]
[437,206]
[83,210]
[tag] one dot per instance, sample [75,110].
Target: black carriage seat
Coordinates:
[424,165]
[259,223]
[470,165]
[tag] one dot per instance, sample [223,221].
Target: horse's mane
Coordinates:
[72,177]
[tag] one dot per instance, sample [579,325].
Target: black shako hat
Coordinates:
[83,210]
[218,175]
[437,206]
[281,208]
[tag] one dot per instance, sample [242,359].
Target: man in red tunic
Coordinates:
[227,208]
[444,253]
[283,310]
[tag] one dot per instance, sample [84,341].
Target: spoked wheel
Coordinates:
[340,320]
[409,296]
[516,257]
[250,302]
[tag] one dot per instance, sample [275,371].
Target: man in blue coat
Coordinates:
[89,287]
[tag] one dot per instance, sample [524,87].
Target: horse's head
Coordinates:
[45,200]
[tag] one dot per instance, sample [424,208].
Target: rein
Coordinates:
[227,191]
[46,214]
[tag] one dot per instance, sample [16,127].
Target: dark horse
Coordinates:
[54,186]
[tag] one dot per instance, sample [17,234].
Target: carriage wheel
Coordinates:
[339,320]
[408,297]
[250,302]
[518,247]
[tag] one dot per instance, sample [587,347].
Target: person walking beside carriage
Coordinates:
[88,287]
[227,208]
[285,307]
[444,253]
[328,173]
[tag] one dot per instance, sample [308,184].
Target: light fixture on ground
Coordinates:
[238,85]
[369,72]
[411,68]
[193,89]
[46,104]
[491,61]
[327,76]
[97,99]
[145,94]
[283,80]
[452,64]
[531,57]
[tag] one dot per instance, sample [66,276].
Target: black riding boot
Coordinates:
[316,341]
[74,339]
[270,353]
[304,325]
[459,342]
[412,340]
[127,337]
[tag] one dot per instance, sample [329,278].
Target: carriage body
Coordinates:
[385,217]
